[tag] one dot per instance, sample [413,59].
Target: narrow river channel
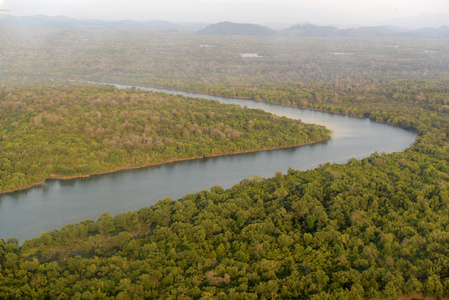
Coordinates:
[25,214]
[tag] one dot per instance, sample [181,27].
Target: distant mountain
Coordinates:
[442,32]
[421,21]
[312,30]
[383,30]
[228,28]
[62,22]
[224,28]
[309,30]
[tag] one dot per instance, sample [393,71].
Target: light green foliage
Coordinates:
[69,129]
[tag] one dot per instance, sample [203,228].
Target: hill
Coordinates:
[228,28]
[442,32]
[310,30]
[62,22]
[425,20]
[223,28]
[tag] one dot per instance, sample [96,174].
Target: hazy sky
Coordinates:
[335,12]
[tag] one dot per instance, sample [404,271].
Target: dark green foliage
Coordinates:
[366,233]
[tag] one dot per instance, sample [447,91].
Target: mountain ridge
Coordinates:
[222,28]
[63,22]
[310,30]
[229,28]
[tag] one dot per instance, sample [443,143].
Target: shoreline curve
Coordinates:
[131,167]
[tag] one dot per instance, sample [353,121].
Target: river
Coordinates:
[55,203]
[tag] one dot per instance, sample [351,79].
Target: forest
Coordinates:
[375,228]
[63,130]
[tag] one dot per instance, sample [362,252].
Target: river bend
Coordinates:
[25,214]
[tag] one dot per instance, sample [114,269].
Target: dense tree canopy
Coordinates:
[368,229]
[374,228]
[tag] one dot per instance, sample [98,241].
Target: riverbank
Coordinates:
[33,184]
[131,167]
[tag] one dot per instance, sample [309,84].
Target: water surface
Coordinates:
[25,214]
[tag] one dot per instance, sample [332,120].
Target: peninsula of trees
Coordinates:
[62,130]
